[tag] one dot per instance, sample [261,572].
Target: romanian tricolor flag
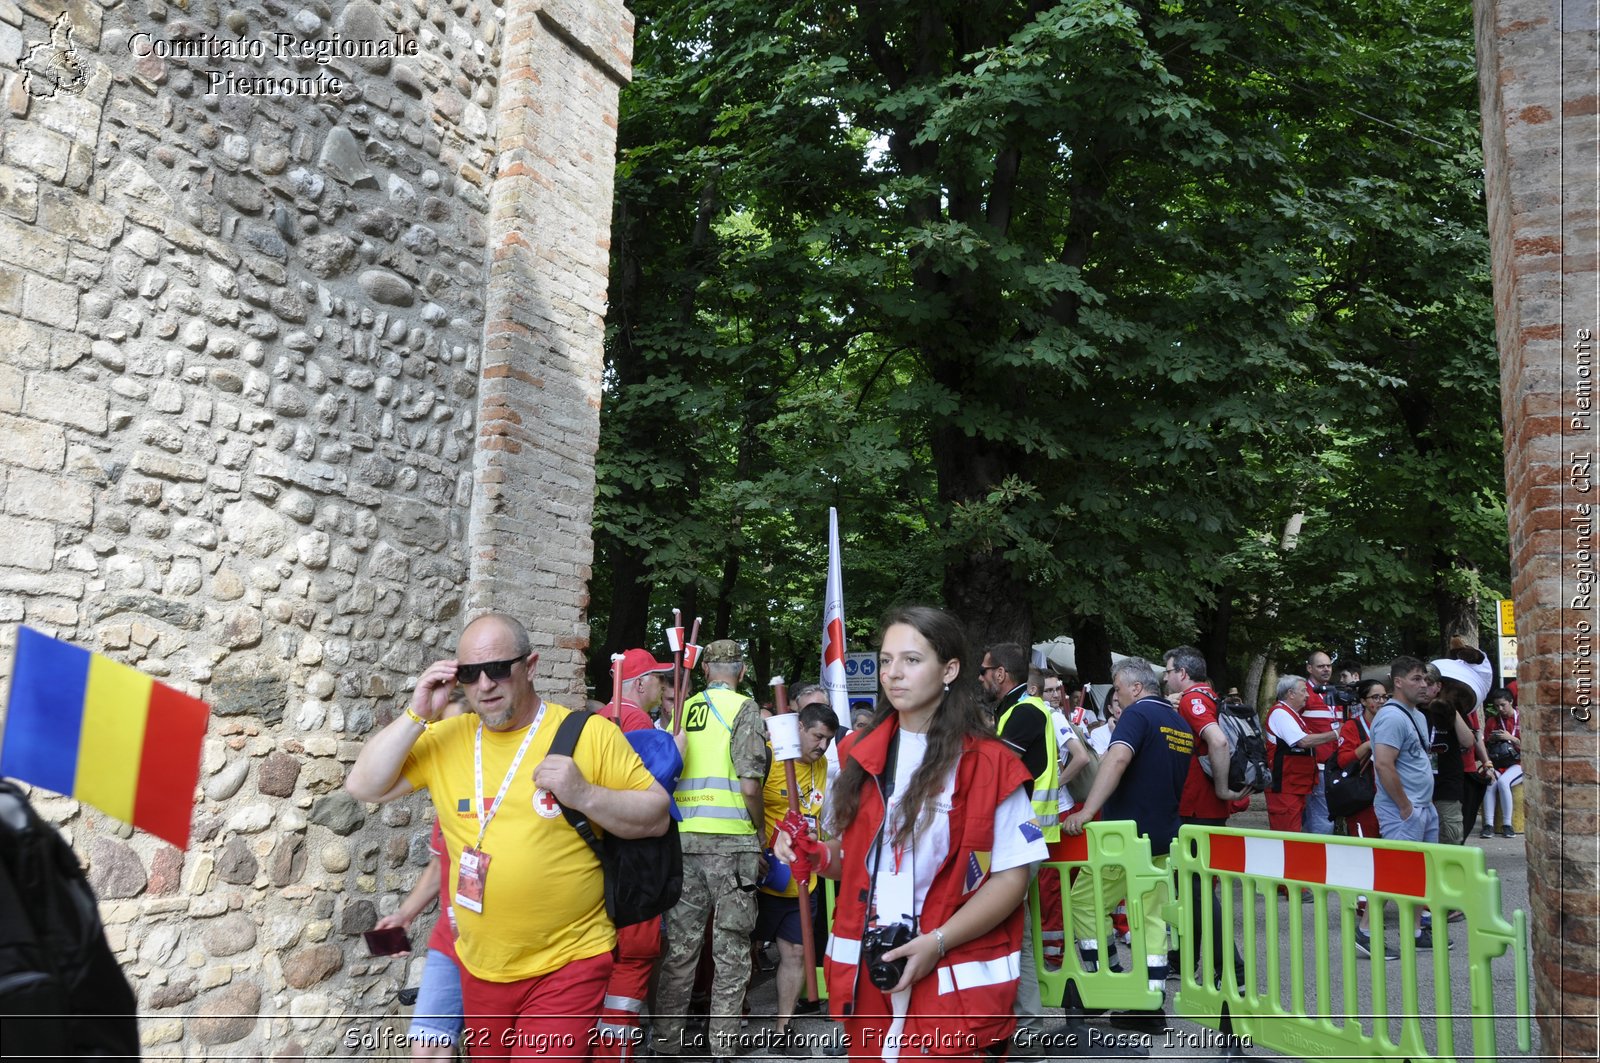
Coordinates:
[106,734]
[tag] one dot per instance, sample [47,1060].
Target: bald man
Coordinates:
[533,972]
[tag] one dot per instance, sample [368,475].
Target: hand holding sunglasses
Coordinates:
[434,687]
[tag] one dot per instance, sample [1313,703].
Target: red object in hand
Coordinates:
[810,855]
[795,826]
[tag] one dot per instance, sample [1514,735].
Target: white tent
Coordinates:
[1061,655]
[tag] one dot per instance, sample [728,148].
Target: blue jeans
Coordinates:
[437,1017]
[1316,819]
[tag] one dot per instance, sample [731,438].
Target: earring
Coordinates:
[947,688]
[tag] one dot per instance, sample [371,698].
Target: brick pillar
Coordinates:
[1536,66]
[533,476]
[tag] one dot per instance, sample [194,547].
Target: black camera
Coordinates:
[885,974]
[1340,697]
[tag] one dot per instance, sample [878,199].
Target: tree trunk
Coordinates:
[1259,664]
[1092,644]
[1458,615]
[1213,640]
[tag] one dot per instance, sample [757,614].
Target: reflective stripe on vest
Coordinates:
[709,795]
[975,973]
[1047,788]
[956,976]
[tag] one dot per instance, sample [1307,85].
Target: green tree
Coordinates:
[1067,307]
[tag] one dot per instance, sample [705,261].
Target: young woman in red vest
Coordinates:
[935,836]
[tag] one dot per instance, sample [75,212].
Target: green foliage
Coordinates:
[1067,308]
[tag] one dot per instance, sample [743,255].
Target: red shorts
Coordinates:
[549,1017]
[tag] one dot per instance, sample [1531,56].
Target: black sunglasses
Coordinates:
[497,671]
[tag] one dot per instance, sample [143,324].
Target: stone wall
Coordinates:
[288,385]
[1537,63]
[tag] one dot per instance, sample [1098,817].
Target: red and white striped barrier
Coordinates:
[1341,864]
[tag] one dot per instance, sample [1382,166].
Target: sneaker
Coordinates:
[1425,940]
[1364,946]
[1507,832]
[1457,916]
[1486,833]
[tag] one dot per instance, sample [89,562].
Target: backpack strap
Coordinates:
[566,745]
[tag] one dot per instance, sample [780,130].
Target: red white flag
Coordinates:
[833,678]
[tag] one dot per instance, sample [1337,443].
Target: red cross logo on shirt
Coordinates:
[545,803]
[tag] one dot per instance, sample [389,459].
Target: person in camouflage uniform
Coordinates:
[719,795]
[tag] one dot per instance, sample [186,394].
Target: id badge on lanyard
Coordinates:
[470,879]
[473,873]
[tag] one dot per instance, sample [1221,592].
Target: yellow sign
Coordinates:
[1508,618]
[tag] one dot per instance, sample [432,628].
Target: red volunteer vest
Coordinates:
[965,1003]
[1319,718]
[1299,768]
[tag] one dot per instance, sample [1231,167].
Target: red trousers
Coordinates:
[638,948]
[1363,824]
[1286,811]
[548,1017]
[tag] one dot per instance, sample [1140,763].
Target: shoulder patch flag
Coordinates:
[977,871]
[1031,832]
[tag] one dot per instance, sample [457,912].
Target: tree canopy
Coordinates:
[1068,308]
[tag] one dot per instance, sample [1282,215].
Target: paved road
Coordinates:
[1505,856]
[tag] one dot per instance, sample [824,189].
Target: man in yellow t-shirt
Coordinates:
[535,943]
[778,911]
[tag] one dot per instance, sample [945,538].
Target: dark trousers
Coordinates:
[1196,900]
[1471,802]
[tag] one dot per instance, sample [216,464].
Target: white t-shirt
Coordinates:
[903,884]
[904,880]
[1283,724]
[1100,738]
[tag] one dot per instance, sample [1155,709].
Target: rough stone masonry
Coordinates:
[289,384]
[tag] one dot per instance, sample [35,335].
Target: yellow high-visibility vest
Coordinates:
[1047,796]
[709,795]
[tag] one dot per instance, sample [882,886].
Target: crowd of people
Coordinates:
[932,812]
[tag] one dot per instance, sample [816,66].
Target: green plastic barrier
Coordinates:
[1103,845]
[1412,877]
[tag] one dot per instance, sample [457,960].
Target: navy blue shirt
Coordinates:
[1152,783]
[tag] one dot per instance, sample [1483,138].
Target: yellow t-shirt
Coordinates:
[544,894]
[811,780]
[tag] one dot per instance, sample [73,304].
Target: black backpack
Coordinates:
[644,876]
[1247,748]
[61,991]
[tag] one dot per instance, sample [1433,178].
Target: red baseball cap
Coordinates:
[637,663]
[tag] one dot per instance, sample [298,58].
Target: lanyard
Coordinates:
[511,772]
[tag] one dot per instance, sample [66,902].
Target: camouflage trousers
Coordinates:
[717,889]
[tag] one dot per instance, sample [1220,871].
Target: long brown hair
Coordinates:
[958,715]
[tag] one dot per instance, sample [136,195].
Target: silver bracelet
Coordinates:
[938,935]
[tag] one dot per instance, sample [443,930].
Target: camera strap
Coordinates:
[885,789]
[886,784]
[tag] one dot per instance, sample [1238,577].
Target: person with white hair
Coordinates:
[1292,747]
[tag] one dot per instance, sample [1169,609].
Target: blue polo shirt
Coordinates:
[1152,784]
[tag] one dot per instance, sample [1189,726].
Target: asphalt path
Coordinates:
[1506,857]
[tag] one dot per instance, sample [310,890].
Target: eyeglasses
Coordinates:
[497,671]
[986,669]
[1374,697]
